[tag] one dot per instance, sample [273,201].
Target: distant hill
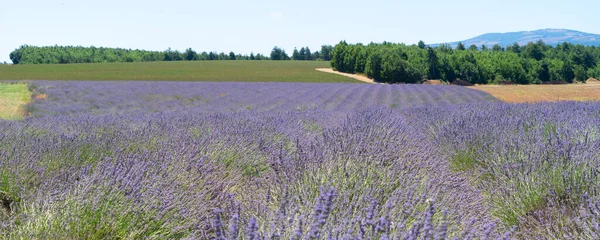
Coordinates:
[549,36]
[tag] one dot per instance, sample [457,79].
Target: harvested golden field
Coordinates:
[543,93]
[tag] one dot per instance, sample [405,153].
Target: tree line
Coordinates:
[77,54]
[533,63]
[303,55]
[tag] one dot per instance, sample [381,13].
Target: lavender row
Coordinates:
[143,98]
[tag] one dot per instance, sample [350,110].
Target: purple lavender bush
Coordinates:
[131,160]
[535,163]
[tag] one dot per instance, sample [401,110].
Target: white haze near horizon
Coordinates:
[258,26]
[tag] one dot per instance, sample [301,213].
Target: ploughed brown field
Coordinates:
[543,93]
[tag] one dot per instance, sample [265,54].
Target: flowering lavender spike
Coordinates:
[252,229]
[233,226]
[218,225]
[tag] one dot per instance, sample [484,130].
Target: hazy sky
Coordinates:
[257,26]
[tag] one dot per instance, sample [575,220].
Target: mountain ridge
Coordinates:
[550,36]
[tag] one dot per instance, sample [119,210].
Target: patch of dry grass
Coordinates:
[12,98]
[433,82]
[593,81]
[543,93]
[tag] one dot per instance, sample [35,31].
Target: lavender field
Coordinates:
[173,160]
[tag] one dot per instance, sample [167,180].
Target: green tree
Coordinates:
[511,69]
[397,70]
[317,56]
[580,73]
[349,61]
[360,62]
[15,56]
[307,54]
[582,56]
[296,54]
[534,51]
[516,48]
[460,46]
[421,44]
[544,73]
[446,68]
[594,72]
[467,68]
[497,48]
[373,64]
[568,72]
[446,48]
[302,54]
[338,55]
[326,52]
[279,54]
[190,55]
[213,56]
[433,63]
[168,55]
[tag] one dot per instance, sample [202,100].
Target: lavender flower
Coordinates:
[162,157]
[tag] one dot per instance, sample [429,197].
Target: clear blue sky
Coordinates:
[257,26]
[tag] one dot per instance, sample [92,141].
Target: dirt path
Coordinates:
[355,76]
